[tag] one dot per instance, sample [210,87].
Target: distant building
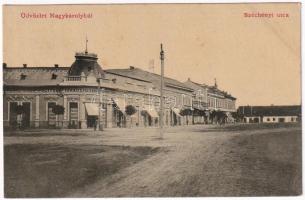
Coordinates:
[270,114]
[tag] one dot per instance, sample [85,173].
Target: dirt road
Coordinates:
[192,162]
[247,163]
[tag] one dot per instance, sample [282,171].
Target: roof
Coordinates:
[215,90]
[86,63]
[194,85]
[42,77]
[137,73]
[286,110]
[34,76]
[211,89]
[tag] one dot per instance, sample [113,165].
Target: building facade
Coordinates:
[210,99]
[86,96]
[177,96]
[270,114]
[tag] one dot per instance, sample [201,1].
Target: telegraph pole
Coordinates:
[99,104]
[100,127]
[162,98]
[86,51]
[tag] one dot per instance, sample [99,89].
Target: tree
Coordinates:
[221,117]
[130,110]
[143,112]
[218,116]
[186,111]
[58,110]
[198,112]
[201,113]
[213,115]
[20,109]
[238,116]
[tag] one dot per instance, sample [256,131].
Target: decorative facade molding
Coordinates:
[20,98]
[51,98]
[73,98]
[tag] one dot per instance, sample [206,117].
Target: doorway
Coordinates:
[73,115]
[51,114]
[26,116]
[20,120]
[256,120]
[91,121]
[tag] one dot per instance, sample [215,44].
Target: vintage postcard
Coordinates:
[152,100]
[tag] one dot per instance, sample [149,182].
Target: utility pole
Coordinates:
[86,51]
[162,98]
[100,128]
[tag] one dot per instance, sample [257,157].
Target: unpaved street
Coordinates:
[195,161]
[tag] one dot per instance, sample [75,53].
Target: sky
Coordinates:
[256,59]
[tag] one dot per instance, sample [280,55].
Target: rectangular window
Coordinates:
[54,76]
[73,114]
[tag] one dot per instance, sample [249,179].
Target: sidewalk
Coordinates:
[112,136]
[91,130]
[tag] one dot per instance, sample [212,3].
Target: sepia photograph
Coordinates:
[152,100]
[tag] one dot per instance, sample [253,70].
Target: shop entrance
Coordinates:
[20,118]
[92,121]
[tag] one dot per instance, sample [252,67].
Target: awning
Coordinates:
[151,111]
[120,103]
[92,109]
[176,111]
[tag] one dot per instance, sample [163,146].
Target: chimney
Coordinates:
[24,65]
[56,65]
[189,79]
[131,67]
[4,65]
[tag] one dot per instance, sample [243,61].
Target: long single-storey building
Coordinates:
[270,114]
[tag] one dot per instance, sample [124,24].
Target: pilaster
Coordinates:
[109,115]
[82,112]
[37,111]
